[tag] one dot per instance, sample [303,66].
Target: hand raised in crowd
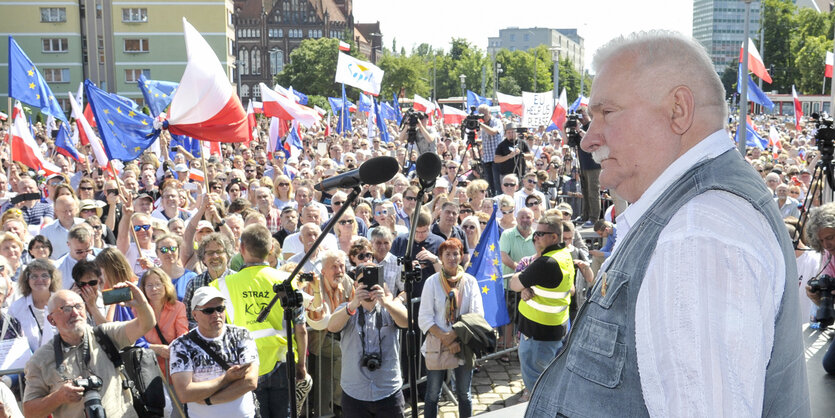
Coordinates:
[88,295]
[137,298]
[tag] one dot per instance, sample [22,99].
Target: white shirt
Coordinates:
[433,302]
[293,245]
[521,195]
[57,235]
[33,322]
[808,266]
[704,320]
[65,265]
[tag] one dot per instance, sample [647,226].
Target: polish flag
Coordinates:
[86,131]
[210,148]
[453,115]
[3,116]
[755,62]
[560,111]
[774,142]
[344,46]
[205,105]
[282,107]
[258,107]
[423,105]
[24,148]
[196,175]
[829,61]
[250,119]
[798,109]
[512,104]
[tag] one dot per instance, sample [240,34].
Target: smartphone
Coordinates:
[173,149]
[112,296]
[370,276]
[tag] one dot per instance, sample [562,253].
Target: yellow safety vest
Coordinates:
[549,305]
[248,291]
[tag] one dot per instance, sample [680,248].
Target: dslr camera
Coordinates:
[572,130]
[472,120]
[824,285]
[92,397]
[371,361]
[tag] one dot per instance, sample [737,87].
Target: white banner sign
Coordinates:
[538,108]
[360,74]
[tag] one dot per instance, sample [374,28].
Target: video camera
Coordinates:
[472,121]
[412,117]
[572,129]
[824,285]
[825,137]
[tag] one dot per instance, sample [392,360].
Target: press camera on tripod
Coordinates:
[572,130]
[287,295]
[412,117]
[471,123]
[825,138]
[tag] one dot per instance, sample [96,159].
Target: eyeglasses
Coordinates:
[531,181]
[166,250]
[411,198]
[67,309]
[509,184]
[540,234]
[283,184]
[90,283]
[85,189]
[507,212]
[364,256]
[468,227]
[335,203]
[381,212]
[532,203]
[346,221]
[209,311]
[137,228]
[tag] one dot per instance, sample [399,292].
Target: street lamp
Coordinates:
[555,55]
[463,79]
[496,79]
[743,97]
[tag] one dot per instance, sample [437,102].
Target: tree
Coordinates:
[730,78]
[312,66]
[404,73]
[779,24]
[811,59]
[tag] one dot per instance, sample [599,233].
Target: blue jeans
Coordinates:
[462,379]
[272,395]
[534,357]
[829,359]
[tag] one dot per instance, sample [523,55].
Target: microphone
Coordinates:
[374,171]
[428,167]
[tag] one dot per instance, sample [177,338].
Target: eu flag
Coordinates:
[157,94]
[344,124]
[381,123]
[486,267]
[396,105]
[302,98]
[124,132]
[752,138]
[64,145]
[365,103]
[474,99]
[27,85]
[754,93]
[336,104]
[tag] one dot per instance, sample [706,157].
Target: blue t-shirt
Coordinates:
[180,283]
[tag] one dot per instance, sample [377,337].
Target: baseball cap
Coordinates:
[204,224]
[442,182]
[144,196]
[204,295]
[180,168]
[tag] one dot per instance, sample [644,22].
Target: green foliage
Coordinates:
[729,78]
[312,66]
[811,58]
[407,73]
[321,101]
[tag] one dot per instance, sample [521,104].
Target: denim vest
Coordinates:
[596,374]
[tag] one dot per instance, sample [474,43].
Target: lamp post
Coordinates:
[742,130]
[463,79]
[496,80]
[555,55]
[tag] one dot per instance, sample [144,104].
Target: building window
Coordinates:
[64,103]
[243,61]
[56,75]
[53,14]
[244,90]
[55,45]
[256,92]
[136,45]
[135,15]
[256,61]
[131,76]
[276,61]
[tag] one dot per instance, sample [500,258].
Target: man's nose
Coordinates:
[592,140]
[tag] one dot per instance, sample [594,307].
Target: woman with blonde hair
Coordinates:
[168,311]
[283,190]
[346,229]
[476,192]
[168,251]
[11,247]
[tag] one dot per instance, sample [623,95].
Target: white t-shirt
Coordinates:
[808,265]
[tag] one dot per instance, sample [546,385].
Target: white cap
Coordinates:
[204,224]
[204,295]
[442,182]
[180,168]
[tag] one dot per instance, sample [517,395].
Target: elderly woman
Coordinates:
[446,296]
[346,229]
[11,247]
[168,311]
[476,192]
[364,212]
[359,254]
[37,283]
[472,229]
[168,251]
[507,207]
[820,234]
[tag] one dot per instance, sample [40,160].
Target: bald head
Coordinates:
[61,298]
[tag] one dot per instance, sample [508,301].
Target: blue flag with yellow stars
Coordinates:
[486,267]
[27,85]
[125,132]
[157,94]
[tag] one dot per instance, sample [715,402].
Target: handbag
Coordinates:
[437,356]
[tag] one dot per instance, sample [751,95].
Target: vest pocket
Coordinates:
[608,287]
[597,355]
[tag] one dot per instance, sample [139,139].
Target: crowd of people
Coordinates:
[200,259]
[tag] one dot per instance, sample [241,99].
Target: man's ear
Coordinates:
[683,108]
[51,321]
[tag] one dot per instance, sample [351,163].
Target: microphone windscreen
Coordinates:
[428,166]
[378,170]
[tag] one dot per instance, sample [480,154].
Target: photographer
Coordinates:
[510,153]
[52,387]
[370,343]
[414,123]
[820,234]
[576,128]
[491,136]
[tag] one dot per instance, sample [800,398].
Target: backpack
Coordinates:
[140,373]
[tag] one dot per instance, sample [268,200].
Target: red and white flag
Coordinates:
[24,147]
[250,119]
[755,61]
[512,104]
[423,105]
[559,116]
[3,116]
[283,107]
[453,115]
[205,105]
[829,62]
[798,109]
[86,131]
[258,107]
[774,142]
[344,46]
[196,175]
[210,148]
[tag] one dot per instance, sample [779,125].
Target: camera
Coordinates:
[92,397]
[572,129]
[305,277]
[412,117]
[548,185]
[472,121]
[824,285]
[371,361]
[825,138]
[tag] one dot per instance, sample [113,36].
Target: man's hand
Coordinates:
[138,297]
[69,393]
[383,295]
[301,371]
[527,294]
[360,294]
[236,372]
[448,339]
[597,253]
[814,296]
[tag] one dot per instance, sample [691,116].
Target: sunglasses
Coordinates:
[86,189]
[346,221]
[483,223]
[532,181]
[137,228]
[467,211]
[335,203]
[364,256]
[507,212]
[509,184]
[381,212]
[532,203]
[411,198]
[90,283]
[540,234]
[283,184]
[209,311]
[166,250]
[468,227]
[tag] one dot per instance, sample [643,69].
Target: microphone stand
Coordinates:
[410,275]
[290,298]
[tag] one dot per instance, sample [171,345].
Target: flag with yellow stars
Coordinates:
[158,94]
[486,267]
[125,132]
[28,85]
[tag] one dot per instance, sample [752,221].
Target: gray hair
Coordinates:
[329,256]
[218,238]
[819,218]
[52,303]
[670,55]
[381,232]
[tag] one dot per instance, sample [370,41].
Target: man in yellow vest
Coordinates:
[248,291]
[545,287]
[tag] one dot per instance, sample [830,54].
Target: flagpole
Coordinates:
[742,132]
[10,121]
[832,88]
